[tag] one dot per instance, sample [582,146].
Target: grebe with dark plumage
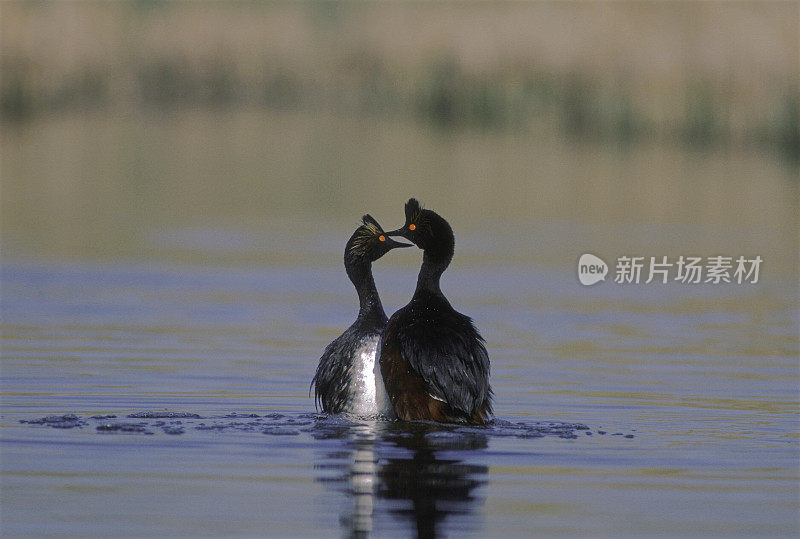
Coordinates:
[433,359]
[348,378]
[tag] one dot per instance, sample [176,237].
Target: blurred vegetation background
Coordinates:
[698,73]
[128,121]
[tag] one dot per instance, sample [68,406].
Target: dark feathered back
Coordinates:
[451,357]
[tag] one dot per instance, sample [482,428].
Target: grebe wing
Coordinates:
[452,360]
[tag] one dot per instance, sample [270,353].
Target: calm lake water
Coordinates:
[186,271]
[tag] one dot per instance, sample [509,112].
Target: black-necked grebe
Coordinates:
[433,360]
[348,378]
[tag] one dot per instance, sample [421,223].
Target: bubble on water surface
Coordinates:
[280,431]
[124,428]
[66,421]
[322,426]
[169,415]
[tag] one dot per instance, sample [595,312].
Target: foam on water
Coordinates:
[316,424]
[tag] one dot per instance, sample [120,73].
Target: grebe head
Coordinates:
[427,229]
[368,243]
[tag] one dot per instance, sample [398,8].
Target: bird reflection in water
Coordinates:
[396,469]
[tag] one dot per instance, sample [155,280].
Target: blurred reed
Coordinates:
[367,59]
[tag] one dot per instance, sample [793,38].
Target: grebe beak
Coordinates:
[393,243]
[399,232]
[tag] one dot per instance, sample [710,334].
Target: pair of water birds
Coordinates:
[426,362]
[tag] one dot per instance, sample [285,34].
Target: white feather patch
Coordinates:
[369,397]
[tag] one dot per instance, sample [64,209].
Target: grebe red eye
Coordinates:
[412,226]
[382,238]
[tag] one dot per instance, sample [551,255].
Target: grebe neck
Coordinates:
[369,302]
[435,260]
